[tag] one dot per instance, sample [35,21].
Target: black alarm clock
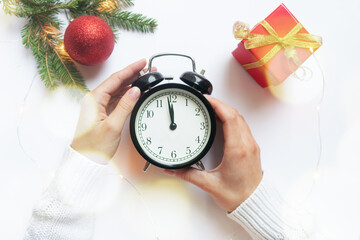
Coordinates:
[173,125]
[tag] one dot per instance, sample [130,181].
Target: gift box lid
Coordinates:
[282,21]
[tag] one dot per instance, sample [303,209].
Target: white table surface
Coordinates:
[284,125]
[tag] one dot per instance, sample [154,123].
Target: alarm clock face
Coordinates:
[172,126]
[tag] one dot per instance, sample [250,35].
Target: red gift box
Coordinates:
[275,48]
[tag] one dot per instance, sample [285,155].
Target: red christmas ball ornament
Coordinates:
[89,40]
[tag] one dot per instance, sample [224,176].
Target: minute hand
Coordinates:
[171,111]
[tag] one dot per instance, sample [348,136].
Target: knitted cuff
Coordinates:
[79,179]
[265,215]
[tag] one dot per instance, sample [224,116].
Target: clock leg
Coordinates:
[200,165]
[147,165]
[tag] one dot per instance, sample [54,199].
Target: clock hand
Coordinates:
[171,112]
[173,124]
[169,105]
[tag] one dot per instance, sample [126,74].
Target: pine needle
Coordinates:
[42,34]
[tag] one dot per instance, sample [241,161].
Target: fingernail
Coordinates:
[169,172]
[134,93]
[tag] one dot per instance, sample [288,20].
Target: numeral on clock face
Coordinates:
[173,126]
[143,127]
[197,111]
[149,114]
[173,98]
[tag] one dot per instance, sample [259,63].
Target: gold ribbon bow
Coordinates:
[292,39]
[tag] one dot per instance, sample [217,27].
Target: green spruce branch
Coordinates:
[42,34]
[130,21]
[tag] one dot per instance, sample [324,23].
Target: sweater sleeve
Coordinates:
[265,215]
[65,210]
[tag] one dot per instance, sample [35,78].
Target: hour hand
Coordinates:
[171,112]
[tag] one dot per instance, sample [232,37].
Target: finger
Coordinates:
[236,130]
[194,176]
[112,100]
[121,78]
[153,69]
[123,109]
[115,99]
[120,92]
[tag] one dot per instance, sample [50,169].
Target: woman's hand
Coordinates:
[239,173]
[103,114]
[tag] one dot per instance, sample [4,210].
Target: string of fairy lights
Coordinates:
[316,172]
[121,177]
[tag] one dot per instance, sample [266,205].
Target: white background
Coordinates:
[284,125]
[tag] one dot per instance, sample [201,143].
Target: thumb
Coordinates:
[194,176]
[124,107]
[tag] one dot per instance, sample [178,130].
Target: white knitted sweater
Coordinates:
[58,214]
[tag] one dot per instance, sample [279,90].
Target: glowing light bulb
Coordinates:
[61,49]
[21,110]
[240,30]
[61,46]
[107,5]
[50,30]
[316,175]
